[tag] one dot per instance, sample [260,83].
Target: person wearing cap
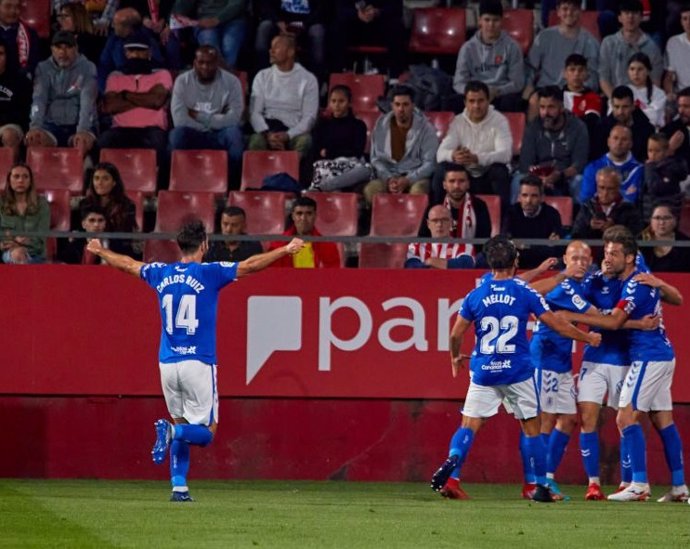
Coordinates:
[21,41]
[63,112]
[137,97]
[491,56]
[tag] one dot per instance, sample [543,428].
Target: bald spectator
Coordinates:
[23,49]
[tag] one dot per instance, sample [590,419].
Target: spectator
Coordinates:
[284,102]
[138,99]
[403,148]
[606,208]
[663,175]
[551,47]
[74,18]
[106,189]
[305,20]
[233,222]
[677,74]
[617,49]
[479,138]
[21,41]
[621,159]
[63,112]
[578,99]
[666,258]
[677,130]
[555,147]
[648,97]
[207,104]
[15,104]
[494,58]
[21,209]
[623,112]
[314,254]
[221,24]
[339,141]
[369,22]
[99,12]
[126,22]
[73,251]
[438,255]
[529,218]
[156,15]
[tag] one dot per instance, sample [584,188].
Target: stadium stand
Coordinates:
[264,210]
[519,24]
[438,31]
[60,217]
[137,168]
[369,118]
[397,214]
[441,121]
[164,251]
[493,203]
[517,122]
[175,208]
[36,13]
[258,164]
[366,89]
[564,205]
[199,170]
[57,168]
[382,255]
[6,163]
[138,198]
[336,213]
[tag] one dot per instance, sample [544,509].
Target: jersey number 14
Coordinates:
[186,314]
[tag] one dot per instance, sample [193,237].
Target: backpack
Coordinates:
[283,182]
[432,87]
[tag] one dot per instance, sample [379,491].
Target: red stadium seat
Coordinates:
[519,24]
[397,214]
[441,121]
[369,118]
[57,168]
[382,256]
[366,88]
[199,170]
[564,205]
[176,208]
[265,210]
[493,203]
[60,217]
[588,19]
[244,80]
[6,163]
[516,121]
[136,166]
[684,223]
[337,214]
[258,164]
[138,198]
[36,13]
[438,31]
[161,251]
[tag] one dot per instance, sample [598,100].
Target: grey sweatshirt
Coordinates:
[569,147]
[616,52]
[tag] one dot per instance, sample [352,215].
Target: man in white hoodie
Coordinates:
[284,102]
[478,138]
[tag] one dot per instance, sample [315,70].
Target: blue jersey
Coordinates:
[500,311]
[550,350]
[639,300]
[188,298]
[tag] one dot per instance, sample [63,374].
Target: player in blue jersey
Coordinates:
[188,297]
[647,385]
[500,365]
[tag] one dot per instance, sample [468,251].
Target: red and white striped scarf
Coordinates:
[23,45]
[465,226]
[425,250]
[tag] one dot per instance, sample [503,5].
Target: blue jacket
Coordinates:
[632,176]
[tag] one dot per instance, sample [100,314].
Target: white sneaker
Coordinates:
[675,494]
[634,492]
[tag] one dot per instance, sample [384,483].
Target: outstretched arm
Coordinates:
[119,261]
[669,294]
[261,261]
[544,266]
[457,334]
[614,321]
[566,329]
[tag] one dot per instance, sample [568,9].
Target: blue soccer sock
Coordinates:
[626,463]
[589,450]
[460,445]
[179,464]
[638,452]
[536,452]
[527,469]
[558,440]
[198,435]
[673,450]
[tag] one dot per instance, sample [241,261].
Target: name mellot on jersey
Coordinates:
[498,298]
[189,280]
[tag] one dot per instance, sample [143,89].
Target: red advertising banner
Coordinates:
[282,332]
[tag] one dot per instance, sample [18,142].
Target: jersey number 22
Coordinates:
[498,334]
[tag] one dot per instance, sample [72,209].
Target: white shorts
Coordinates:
[521,398]
[648,386]
[190,391]
[557,392]
[596,380]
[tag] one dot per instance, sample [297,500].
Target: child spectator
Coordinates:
[74,250]
[648,97]
[580,100]
[662,176]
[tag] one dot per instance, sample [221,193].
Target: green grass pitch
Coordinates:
[286,514]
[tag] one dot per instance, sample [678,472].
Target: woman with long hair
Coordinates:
[663,226]
[74,18]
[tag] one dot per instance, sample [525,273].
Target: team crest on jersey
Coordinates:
[226,263]
[579,302]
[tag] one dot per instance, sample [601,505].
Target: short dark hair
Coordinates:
[660,138]
[402,89]
[91,207]
[303,201]
[533,181]
[477,86]
[622,92]
[491,7]
[500,252]
[191,236]
[576,59]
[342,88]
[453,167]
[620,234]
[550,92]
[234,210]
[685,92]
[634,6]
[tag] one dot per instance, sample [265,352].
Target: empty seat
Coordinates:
[336,213]
[441,121]
[516,121]
[199,170]
[397,214]
[369,118]
[138,198]
[243,77]
[684,223]
[366,88]
[265,210]
[6,163]
[382,255]
[161,251]
[36,13]
[564,205]
[519,24]
[176,208]
[57,168]
[60,217]
[258,164]
[588,19]
[136,166]
[493,203]
[438,31]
